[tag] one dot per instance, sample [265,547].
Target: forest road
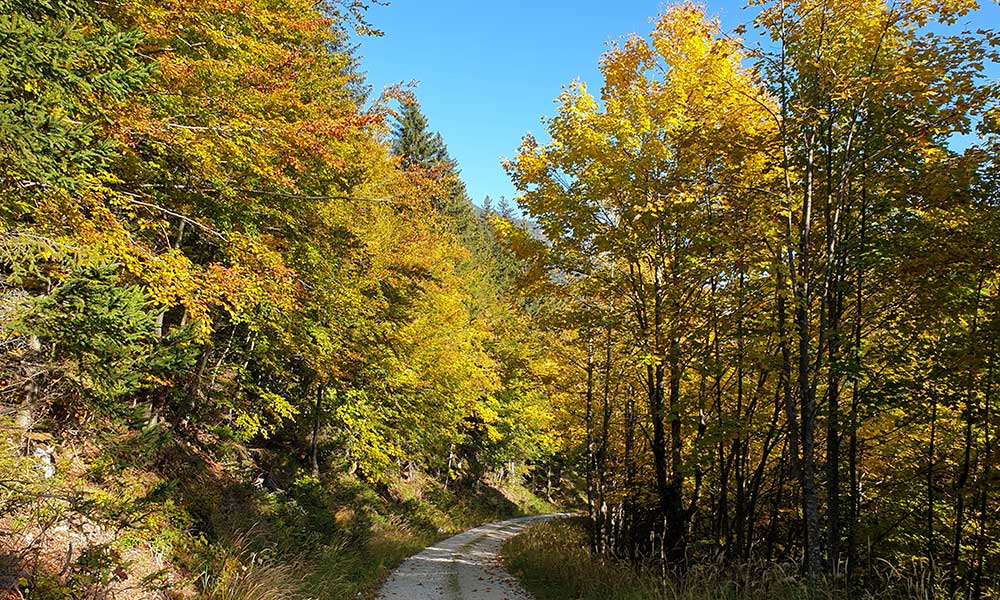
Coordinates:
[463,567]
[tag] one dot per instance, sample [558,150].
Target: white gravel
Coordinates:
[463,567]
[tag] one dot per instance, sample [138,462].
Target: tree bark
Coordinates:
[314,442]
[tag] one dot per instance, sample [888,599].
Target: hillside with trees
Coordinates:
[242,316]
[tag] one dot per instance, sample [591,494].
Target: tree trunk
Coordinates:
[984,518]
[314,443]
[852,459]
[833,440]
[595,533]
[929,522]
[603,447]
[791,409]
[962,478]
[807,396]
[676,530]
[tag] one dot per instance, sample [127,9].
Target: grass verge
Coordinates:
[553,562]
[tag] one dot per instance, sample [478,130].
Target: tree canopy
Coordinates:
[782,253]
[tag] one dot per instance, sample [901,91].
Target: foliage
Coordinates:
[64,69]
[755,314]
[208,243]
[769,272]
[104,336]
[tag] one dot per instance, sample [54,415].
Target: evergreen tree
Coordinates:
[414,142]
[62,66]
[419,147]
[101,335]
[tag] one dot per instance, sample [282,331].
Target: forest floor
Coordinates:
[463,567]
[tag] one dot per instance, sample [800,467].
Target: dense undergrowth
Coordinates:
[553,562]
[157,515]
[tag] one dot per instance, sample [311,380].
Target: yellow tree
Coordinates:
[867,98]
[629,192]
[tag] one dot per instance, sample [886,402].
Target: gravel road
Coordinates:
[463,567]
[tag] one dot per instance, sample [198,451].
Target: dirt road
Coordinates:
[463,567]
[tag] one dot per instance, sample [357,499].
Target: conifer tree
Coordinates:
[61,67]
[420,147]
[414,142]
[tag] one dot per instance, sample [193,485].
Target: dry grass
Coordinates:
[244,573]
[259,578]
[554,563]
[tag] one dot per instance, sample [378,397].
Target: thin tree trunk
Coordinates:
[314,443]
[595,533]
[675,513]
[962,479]
[791,409]
[807,397]
[772,532]
[929,522]
[855,492]
[630,476]
[981,535]
[603,448]
[833,440]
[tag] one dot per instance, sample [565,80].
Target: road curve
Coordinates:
[463,567]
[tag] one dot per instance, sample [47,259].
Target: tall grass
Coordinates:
[345,568]
[243,571]
[367,536]
[259,577]
[553,562]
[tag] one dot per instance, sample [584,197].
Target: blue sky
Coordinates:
[488,71]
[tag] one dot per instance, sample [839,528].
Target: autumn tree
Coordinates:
[867,101]
[629,193]
[790,261]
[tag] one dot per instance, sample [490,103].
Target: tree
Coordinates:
[791,263]
[857,127]
[629,193]
[413,142]
[102,338]
[65,68]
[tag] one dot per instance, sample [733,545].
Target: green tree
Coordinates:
[101,334]
[63,70]
[414,142]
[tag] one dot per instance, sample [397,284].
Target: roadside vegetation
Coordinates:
[553,562]
[148,516]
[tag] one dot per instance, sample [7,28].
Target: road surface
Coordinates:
[463,567]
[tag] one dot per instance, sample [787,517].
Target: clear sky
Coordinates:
[489,70]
